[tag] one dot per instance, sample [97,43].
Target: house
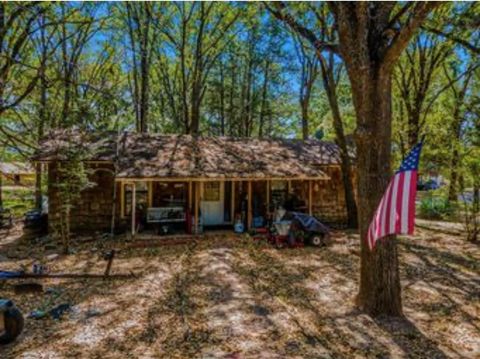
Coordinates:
[191,181]
[17,174]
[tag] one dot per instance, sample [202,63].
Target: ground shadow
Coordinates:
[409,338]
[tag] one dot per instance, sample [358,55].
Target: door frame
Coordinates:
[221,203]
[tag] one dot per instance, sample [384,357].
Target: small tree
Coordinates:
[472,208]
[71,180]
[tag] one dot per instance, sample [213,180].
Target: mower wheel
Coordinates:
[13,320]
[279,244]
[316,241]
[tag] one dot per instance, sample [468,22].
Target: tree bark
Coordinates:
[42,113]
[139,19]
[197,77]
[145,75]
[67,74]
[263,106]
[231,99]
[304,105]
[222,99]
[379,275]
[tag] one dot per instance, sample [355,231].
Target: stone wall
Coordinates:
[329,197]
[93,211]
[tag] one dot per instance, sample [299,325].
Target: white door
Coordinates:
[212,203]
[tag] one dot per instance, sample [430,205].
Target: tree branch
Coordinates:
[306,33]
[402,37]
[453,38]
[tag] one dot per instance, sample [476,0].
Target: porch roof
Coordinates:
[155,156]
[19,168]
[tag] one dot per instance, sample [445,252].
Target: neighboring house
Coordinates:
[191,180]
[17,173]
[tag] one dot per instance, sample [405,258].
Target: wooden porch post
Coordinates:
[249,207]
[310,196]
[122,199]
[232,209]
[189,196]
[268,196]
[197,197]
[133,207]
[150,193]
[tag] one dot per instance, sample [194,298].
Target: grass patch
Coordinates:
[18,199]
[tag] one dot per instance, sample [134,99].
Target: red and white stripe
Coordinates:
[396,212]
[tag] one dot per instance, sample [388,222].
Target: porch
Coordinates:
[189,206]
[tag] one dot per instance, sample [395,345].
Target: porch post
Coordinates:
[122,199]
[133,207]
[249,207]
[189,196]
[150,193]
[232,204]
[268,196]
[310,196]
[195,218]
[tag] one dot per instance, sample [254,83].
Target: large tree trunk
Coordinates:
[380,291]
[369,58]
[370,52]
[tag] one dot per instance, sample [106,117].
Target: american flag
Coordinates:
[396,212]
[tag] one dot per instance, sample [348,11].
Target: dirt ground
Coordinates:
[232,298]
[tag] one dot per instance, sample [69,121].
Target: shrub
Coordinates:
[436,208]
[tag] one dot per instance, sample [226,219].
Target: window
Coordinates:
[141,195]
[211,191]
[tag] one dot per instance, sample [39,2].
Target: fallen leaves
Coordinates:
[235,298]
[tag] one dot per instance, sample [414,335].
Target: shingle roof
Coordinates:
[142,155]
[16,168]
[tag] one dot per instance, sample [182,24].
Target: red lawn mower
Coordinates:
[295,229]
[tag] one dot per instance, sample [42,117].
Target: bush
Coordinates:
[19,199]
[436,208]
